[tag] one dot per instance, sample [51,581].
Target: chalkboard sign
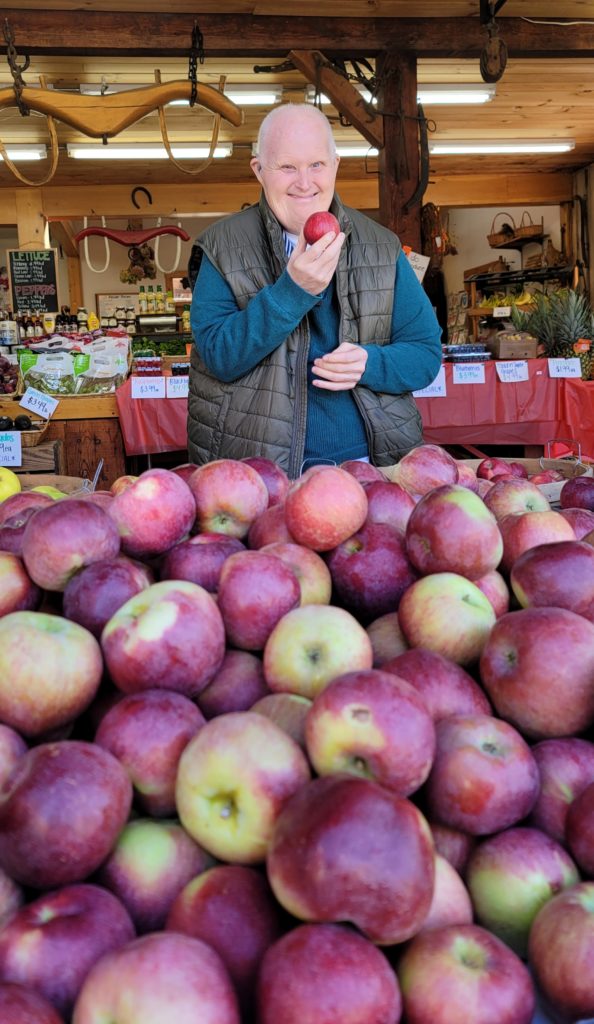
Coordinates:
[33,280]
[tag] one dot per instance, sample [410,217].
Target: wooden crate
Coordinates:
[47,457]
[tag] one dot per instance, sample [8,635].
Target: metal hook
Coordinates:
[140,188]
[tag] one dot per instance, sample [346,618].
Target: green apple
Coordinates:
[9,483]
[53,492]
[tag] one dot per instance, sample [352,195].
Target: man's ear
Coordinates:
[256,167]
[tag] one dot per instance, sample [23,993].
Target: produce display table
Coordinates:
[527,413]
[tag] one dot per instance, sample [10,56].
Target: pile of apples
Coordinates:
[298,752]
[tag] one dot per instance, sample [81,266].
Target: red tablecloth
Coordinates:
[528,412]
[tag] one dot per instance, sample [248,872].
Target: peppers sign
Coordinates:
[33,280]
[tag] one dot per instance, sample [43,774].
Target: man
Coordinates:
[305,354]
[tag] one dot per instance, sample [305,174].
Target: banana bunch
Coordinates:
[525,298]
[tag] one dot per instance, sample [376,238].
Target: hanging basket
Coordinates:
[527,228]
[506,232]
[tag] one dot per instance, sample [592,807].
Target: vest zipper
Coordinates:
[300,414]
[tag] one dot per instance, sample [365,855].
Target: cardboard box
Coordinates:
[510,348]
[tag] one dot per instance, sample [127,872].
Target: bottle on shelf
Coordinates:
[38,330]
[142,301]
[169,303]
[186,327]
[150,300]
[130,320]
[159,301]
[82,320]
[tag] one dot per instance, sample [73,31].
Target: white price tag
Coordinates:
[177,387]
[564,367]
[147,387]
[36,401]
[10,448]
[510,370]
[468,373]
[437,389]
[501,311]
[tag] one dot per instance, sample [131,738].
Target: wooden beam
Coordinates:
[399,159]
[169,35]
[63,235]
[32,225]
[347,100]
[503,190]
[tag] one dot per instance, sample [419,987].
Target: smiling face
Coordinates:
[296,165]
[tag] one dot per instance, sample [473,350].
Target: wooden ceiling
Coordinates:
[547,89]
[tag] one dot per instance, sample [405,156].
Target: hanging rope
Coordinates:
[177,252]
[96,270]
[213,142]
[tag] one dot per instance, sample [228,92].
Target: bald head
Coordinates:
[285,120]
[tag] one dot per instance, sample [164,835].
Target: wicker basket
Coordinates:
[506,232]
[30,438]
[527,228]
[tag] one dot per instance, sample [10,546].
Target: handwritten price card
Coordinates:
[564,368]
[437,389]
[36,401]
[512,370]
[10,448]
[177,387]
[147,387]
[468,373]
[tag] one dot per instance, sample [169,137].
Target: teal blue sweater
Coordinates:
[232,341]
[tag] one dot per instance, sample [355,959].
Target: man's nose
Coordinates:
[303,176]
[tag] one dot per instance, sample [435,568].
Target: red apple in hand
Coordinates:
[319,224]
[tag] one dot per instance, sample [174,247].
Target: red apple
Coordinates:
[363,471]
[484,486]
[288,711]
[514,497]
[169,636]
[511,875]
[548,476]
[324,506]
[50,670]
[566,767]
[17,590]
[13,528]
[579,830]
[147,732]
[269,527]
[451,903]
[489,468]
[153,513]
[18,503]
[199,559]
[255,591]
[319,224]
[467,476]
[578,492]
[325,973]
[312,645]
[101,498]
[159,977]
[97,592]
[557,575]
[561,950]
[522,532]
[451,530]
[445,687]
[50,944]
[122,483]
[484,777]
[373,724]
[236,686]
[581,519]
[387,639]
[494,587]
[346,849]
[388,503]
[275,478]
[231,908]
[463,973]
[424,468]
[234,777]
[185,470]
[229,495]
[537,667]
[148,868]
[370,571]
[446,613]
[20,1005]
[54,832]
[313,575]
[63,538]
[452,844]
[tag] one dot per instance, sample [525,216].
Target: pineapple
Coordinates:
[559,321]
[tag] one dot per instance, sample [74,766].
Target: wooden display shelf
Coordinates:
[488,310]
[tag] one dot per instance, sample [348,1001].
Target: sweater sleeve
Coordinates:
[412,358]
[231,341]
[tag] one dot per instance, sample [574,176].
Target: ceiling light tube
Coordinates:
[25,152]
[458,148]
[455,94]
[140,151]
[354,150]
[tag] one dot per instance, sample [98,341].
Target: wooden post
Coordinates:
[32,226]
[399,159]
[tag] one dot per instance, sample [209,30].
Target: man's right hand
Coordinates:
[312,267]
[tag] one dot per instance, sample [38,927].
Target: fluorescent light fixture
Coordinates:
[25,152]
[447,148]
[144,152]
[103,89]
[356,150]
[457,93]
[246,96]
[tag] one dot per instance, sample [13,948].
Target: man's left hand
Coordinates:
[341,369]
